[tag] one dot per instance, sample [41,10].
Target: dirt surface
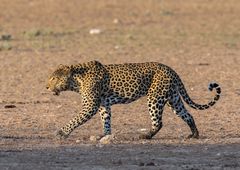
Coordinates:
[199,39]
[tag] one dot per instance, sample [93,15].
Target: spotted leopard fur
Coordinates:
[102,86]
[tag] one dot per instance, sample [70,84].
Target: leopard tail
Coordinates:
[212,86]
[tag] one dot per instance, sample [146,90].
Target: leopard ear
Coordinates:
[61,66]
[71,67]
[64,67]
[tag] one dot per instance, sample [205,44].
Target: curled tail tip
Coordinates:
[214,85]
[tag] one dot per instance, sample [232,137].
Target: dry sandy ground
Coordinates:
[199,39]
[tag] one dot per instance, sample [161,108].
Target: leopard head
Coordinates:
[59,80]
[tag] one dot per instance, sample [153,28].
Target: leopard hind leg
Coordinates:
[178,107]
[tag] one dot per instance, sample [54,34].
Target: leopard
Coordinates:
[101,86]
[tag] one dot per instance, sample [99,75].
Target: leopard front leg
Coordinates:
[156,98]
[105,113]
[155,107]
[90,108]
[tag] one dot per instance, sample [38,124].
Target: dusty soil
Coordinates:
[199,39]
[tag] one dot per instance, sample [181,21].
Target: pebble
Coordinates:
[107,139]
[93,138]
[94,31]
[143,130]
[116,47]
[115,21]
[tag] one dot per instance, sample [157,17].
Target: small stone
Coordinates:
[115,21]
[107,139]
[78,141]
[94,31]
[116,47]
[93,138]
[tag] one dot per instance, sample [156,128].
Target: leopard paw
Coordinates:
[194,135]
[145,136]
[61,134]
